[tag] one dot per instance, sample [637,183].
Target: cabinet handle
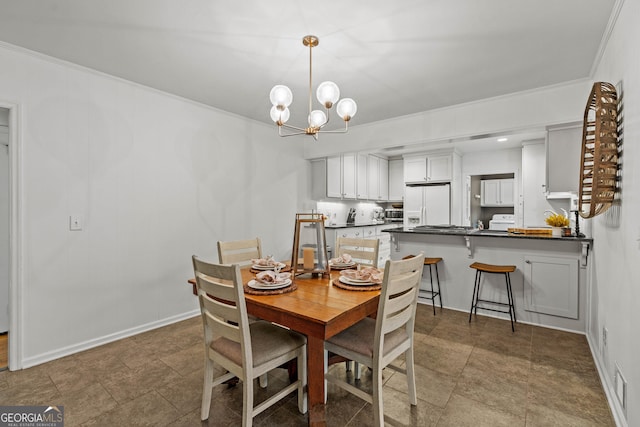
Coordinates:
[527,261]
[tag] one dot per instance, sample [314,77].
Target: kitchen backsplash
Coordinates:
[337,212]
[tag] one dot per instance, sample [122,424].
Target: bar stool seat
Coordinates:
[493,269]
[433,294]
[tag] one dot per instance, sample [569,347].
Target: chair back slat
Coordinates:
[221,309]
[239,251]
[359,249]
[223,328]
[399,311]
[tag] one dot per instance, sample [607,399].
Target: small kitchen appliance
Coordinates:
[377,215]
[502,222]
[393,215]
[351,216]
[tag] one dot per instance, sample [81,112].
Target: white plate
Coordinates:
[355,280]
[257,285]
[267,267]
[348,281]
[342,265]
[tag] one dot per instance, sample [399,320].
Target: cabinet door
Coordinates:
[490,192]
[506,192]
[334,177]
[349,176]
[374,172]
[551,285]
[383,186]
[564,147]
[396,181]
[415,169]
[439,168]
[361,184]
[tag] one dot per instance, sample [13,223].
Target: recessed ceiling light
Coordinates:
[503,139]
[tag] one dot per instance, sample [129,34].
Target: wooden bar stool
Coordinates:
[431,262]
[493,269]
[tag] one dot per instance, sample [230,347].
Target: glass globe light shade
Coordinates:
[328,93]
[279,115]
[281,95]
[346,108]
[317,118]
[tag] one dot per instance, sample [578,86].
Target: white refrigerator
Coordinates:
[427,205]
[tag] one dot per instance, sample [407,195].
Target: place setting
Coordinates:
[270,282]
[361,279]
[342,262]
[266,264]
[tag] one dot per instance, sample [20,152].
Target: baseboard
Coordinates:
[86,345]
[609,388]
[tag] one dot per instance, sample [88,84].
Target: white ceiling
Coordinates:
[393,57]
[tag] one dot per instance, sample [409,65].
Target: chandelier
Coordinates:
[327,93]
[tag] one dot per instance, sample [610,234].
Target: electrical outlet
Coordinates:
[75,223]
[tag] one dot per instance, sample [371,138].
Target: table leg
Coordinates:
[315,376]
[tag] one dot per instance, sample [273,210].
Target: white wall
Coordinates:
[615,285]
[155,179]
[4,220]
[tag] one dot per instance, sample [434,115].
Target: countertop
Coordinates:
[467,231]
[363,225]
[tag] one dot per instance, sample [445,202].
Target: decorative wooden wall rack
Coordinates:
[599,162]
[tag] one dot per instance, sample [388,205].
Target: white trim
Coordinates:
[611,24]
[616,409]
[95,342]
[16,271]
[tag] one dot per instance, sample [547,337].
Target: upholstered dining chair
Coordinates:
[364,251]
[376,343]
[242,349]
[239,251]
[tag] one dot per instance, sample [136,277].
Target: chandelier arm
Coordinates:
[284,125]
[327,120]
[299,131]
[345,130]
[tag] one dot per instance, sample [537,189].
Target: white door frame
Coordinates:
[15,235]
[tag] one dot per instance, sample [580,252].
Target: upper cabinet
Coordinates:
[350,176]
[564,145]
[497,192]
[426,169]
[378,171]
[362,179]
[396,180]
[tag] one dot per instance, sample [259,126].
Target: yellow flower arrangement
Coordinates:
[557,220]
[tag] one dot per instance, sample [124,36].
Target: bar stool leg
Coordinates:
[433,296]
[438,281]
[475,292]
[512,309]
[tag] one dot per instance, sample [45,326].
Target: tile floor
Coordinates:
[477,374]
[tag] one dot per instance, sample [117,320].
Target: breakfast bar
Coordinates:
[549,284]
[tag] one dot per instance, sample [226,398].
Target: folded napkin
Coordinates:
[343,259]
[271,277]
[265,262]
[371,274]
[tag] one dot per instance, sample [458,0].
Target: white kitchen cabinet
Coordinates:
[362,177]
[378,171]
[497,192]
[534,201]
[396,181]
[564,153]
[551,285]
[428,168]
[340,177]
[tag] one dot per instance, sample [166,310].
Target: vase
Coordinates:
[556,231]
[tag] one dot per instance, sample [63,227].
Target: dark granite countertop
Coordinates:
[362,225]
[467,231]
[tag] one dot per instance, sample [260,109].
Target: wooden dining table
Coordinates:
[319,310]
